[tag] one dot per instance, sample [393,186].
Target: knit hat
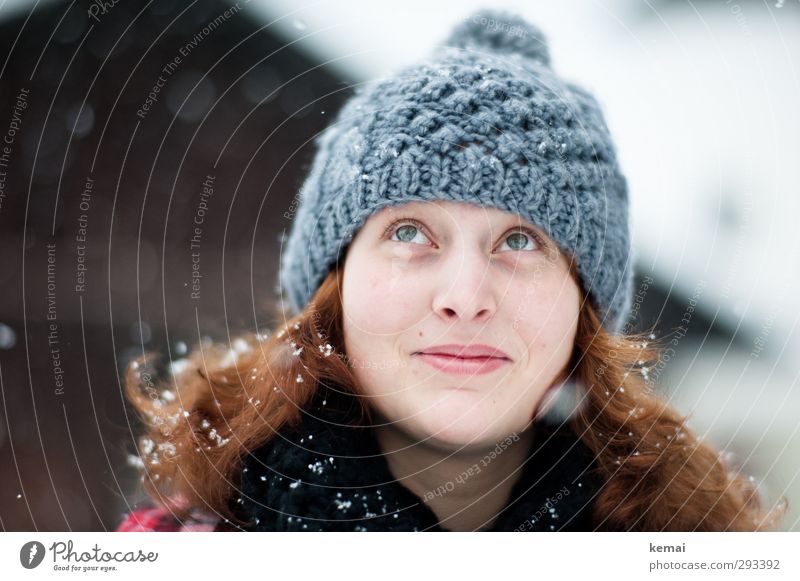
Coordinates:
[483,120]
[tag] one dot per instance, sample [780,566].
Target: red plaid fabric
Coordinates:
[154,519]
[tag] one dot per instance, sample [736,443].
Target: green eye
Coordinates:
[518,241]
[409,230]
[407,233]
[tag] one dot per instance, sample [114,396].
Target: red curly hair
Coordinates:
[659,476]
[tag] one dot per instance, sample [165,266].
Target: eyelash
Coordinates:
[523,229]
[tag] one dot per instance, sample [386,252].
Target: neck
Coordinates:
[465,489]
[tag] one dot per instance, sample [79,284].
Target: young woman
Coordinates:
[454,354]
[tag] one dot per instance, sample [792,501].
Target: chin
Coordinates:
[452,424]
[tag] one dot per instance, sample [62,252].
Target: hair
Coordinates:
[222,402]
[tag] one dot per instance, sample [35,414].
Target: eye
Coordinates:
[523,239]
[410,230]
[406,230]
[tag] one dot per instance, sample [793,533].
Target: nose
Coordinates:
[465,287]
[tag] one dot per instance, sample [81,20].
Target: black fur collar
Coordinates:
[328,477]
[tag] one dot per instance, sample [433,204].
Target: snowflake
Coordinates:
[168,448]
[147,445]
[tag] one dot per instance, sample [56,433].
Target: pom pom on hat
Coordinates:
[484,119]
[500,32]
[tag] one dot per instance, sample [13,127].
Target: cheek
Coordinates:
[379,297]
[376,314]
[543,314]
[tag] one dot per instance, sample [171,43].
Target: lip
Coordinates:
[466,351]
[464,359]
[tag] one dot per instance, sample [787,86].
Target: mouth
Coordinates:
[457,365]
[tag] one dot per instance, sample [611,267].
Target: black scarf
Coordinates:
[327,477]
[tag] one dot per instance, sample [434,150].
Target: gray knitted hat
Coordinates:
[483,120]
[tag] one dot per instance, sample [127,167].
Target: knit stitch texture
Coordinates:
[484,120]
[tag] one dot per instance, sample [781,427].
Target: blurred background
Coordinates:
[150,150]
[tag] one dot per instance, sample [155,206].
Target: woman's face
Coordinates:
[429,274]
